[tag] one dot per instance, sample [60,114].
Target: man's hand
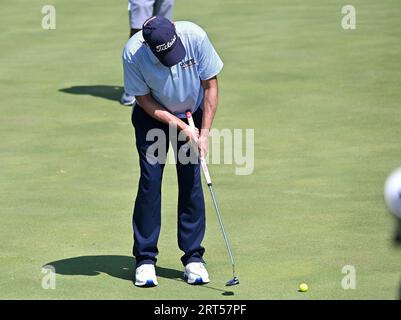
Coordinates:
[203,143]
[192,135]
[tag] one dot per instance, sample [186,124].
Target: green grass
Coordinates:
[324,104]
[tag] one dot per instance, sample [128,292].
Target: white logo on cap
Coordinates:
[166,45]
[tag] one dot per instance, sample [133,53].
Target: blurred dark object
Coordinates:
[397,237]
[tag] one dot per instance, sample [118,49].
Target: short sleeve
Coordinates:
[210,63]
[134,83]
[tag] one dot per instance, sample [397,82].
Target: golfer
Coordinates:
[140,10]
[170,68]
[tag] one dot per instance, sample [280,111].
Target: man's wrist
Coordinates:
[205,133]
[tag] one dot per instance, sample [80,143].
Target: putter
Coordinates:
[234,281]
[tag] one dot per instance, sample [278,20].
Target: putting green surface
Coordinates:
[325,106]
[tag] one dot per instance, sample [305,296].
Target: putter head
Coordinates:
[234,281]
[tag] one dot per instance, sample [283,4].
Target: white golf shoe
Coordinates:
[145,276]
[127,100]
[196,273]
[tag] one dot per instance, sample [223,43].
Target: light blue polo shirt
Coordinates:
[177,88]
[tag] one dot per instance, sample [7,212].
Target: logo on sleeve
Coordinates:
[188,63]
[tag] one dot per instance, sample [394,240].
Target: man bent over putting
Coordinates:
[170,69]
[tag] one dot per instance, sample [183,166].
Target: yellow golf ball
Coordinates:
[303,287]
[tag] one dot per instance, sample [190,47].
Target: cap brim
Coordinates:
[174,55]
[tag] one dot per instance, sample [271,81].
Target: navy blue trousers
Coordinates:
[147,210]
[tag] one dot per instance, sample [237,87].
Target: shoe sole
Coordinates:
[127,104]
[147,284]
[196,282]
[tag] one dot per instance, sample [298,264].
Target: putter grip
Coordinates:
[202,160]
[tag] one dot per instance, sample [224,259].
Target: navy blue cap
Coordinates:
[159,33]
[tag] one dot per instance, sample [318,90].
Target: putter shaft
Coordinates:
[209,184]
[223,230]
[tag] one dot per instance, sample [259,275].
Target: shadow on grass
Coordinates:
[102,91]
[121,267]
